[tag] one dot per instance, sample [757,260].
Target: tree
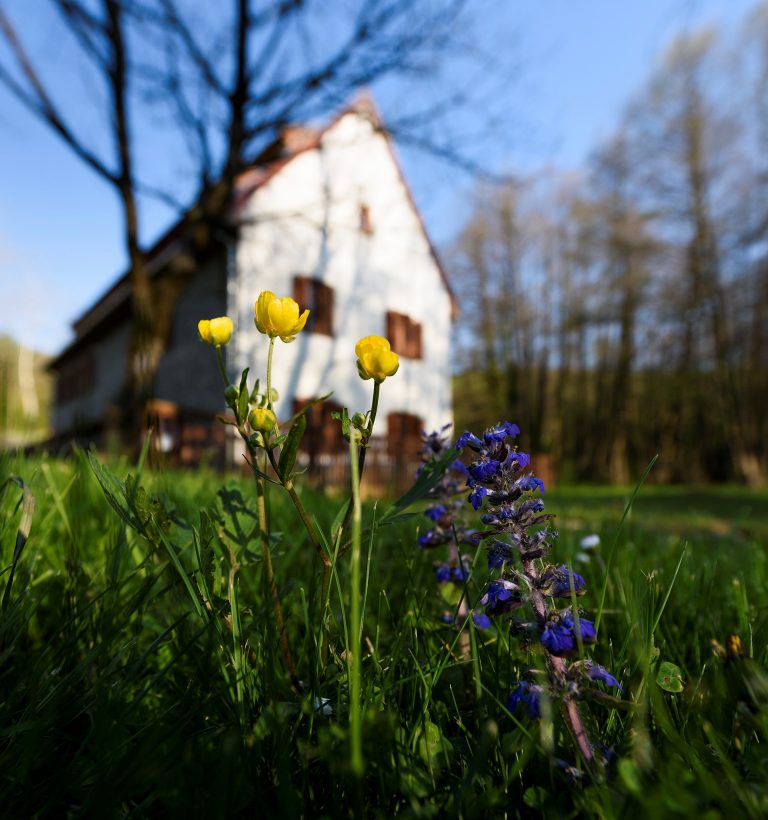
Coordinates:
[692,140]
[626,251]
[224,84]
[624,312]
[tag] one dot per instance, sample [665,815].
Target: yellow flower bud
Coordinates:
[278,316]
[375,360]
[215,331]
[262,419]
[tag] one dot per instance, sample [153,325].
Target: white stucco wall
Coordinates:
[305,221]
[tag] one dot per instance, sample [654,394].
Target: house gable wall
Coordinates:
[306,221]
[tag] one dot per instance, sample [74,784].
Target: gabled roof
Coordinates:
[292,142]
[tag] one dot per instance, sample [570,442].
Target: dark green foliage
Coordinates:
[119,693]
[291,447]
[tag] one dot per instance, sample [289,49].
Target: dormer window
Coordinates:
[318,297]
[366,223]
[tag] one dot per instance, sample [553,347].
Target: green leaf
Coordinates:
[114,491]
[291,448]
[206,555]
[451,593]
[670,677]
[630,776]
[308,406]
[27,504]
[343,416]
[242,401]
[340,515]
[536,797]
[432,747]
[429,476]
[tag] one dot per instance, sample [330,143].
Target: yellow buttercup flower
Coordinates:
[375,360]
[215,331]
[262,419]
[279,316]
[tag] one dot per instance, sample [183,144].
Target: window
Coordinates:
[323,435]
[404,335]
[366,224]
[404,435]
[318,297]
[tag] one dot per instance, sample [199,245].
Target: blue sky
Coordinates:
[580,61]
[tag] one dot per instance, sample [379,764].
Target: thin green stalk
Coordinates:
[354,645]
[222,368]
[369,429]
[360,460]
[627,508]
[462,609]
[374,409]
[269,371]
[266,554]
[327,567]
[237,647]
[325,603]
[316,543]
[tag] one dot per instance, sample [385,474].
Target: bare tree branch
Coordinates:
[36,99]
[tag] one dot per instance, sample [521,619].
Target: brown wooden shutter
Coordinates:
[390,332]
[366,224]
[318,297]
[414,339]
[302,291]
[323,434]
[396,333]
[323,304]
[404,335]
[403,434]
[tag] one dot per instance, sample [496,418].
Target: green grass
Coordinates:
[120,698]
[718,511]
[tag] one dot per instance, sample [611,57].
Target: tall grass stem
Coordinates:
[355,644]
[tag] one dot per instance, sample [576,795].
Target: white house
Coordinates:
[326,217]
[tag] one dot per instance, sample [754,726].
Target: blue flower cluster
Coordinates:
[443,513]
[456,572]
[529,694]
[517,538]
[445,528]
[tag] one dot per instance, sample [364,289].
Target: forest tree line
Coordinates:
[623,311]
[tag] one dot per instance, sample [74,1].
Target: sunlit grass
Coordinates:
[118,700]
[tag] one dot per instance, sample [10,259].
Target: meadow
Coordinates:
[125,693]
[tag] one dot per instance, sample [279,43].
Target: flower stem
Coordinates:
[269,371]
[269,574]
[556,668]
[354,647]
[237,646]
[367,435]
[462,610]
[374,409]
[360,463]
[222,368]
[290,488]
